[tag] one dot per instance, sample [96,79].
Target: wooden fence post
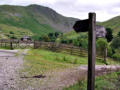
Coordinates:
[11,45]
[105,56]
[91,51]
[34,44]
[71,50]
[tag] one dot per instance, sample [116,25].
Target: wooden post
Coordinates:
[71,50]
[91,51]
[34,44]
[11,46]
[105,56]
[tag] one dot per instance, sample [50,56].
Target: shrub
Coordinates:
[109,35]
[118,34]
[11,32]
[116,43]
[75,61]
[64,58]
[116,56]
[45,38]
[75,42]
[109,52]
[101,45]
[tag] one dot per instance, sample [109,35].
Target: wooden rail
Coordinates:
[52,46]
[64,48]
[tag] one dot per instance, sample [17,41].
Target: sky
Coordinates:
[104,9]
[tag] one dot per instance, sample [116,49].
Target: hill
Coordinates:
[113,23]
[37,19]
[7,31]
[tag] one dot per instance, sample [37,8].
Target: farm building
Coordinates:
[26,38]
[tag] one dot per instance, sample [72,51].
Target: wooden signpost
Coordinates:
[93,30]
[91,51]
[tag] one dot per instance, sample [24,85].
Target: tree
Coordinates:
[64,41]
[40,39]
[13,37]
[118,34]
[116,43]
[109,35]
[11,32]
[50,35]
[56,34]
[45,38]
[102,46]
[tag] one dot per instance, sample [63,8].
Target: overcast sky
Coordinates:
[105,9]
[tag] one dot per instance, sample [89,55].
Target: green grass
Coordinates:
[6,48]
[42,61]
[71,35]
[105,82]
[7,31]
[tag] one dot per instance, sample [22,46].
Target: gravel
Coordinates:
[9,65]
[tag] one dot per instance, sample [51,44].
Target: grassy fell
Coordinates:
[17,32]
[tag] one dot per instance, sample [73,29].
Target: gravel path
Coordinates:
[9,64]
[10,79]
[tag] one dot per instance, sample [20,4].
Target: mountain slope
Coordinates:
[37,19]
[113,23]
[7,31]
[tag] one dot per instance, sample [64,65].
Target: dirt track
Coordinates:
[10,77]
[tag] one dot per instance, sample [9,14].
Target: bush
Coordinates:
[118,34]
[13,37]
[109,52]
[75,42]
[75,61]
[45,38]
[11,32]
[64,41]
[109,35]
[116,56]
[101,45]
[116,43]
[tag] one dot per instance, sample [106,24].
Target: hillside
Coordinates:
[37,19]
[113,23]
[7,31]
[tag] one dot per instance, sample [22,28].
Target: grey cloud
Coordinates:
[74,9]
[5,1]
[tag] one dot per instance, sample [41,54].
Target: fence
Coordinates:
[4,43]
[64,48]
[55,47]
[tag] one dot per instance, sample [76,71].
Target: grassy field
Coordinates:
[42,61]
[73,35]
[105,82]
[7,31]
